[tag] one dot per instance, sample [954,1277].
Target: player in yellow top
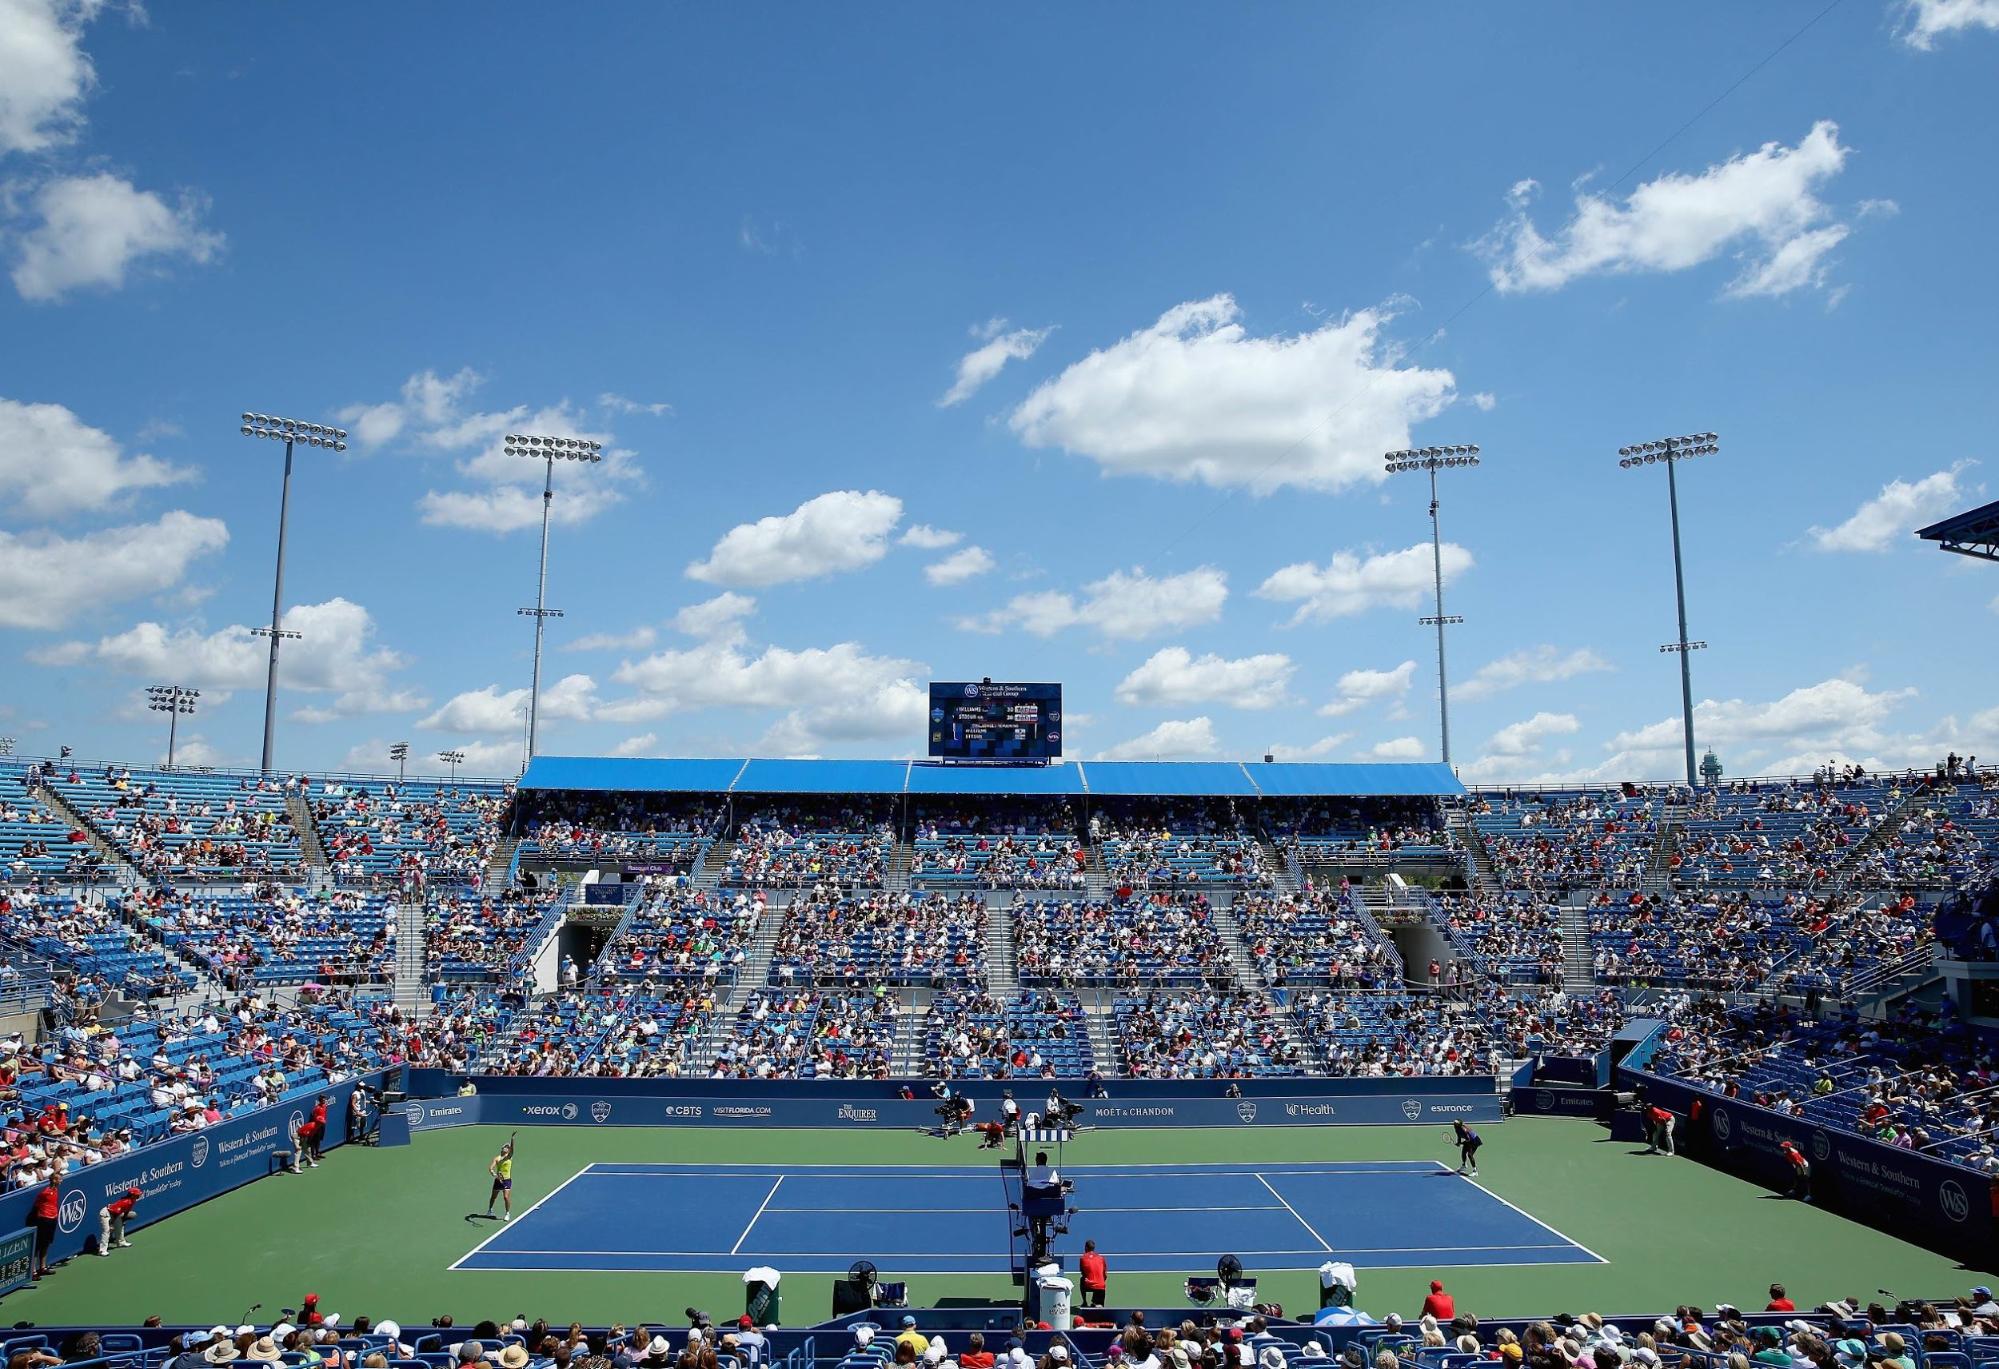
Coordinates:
[502,1170]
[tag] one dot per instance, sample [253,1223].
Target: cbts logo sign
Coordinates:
[600,1112]
[198,1155]
[1724,1125]
[72,1212]
[1954,1201]
[1412,1108]
[1246,1111]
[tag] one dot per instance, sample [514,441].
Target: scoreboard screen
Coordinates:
[984,721]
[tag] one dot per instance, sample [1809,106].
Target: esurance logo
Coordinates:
[1954,1201]
[850,1113]
[1246,1111]
[198,1156]
[70,1215]
[600,1112]
[1724,1125]
[1412,1109]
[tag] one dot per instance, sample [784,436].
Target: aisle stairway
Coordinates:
[1479,871]
[755,969]
[120,870]
[1001,975]
[1578,969]
[411,938]
[709,876]
[318,873]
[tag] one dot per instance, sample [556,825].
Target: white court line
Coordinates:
[738,1246]
[955,1211]
[503,1227]
[1294,1212]
[1109,1254]
[901,1173]
[992,1269]
[1532,1218]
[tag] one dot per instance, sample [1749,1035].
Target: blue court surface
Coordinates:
[920,1220]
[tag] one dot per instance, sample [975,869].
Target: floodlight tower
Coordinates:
[173,701]
[6,746]
[548,450]
[1432,460]
[454,759]
[1671,451]
[290,431]
[400,754]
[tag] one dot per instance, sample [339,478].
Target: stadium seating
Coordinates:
[1561,839]
[1393,1034]
[187,825]
[34,841]
[673,936]
[874,939]
[1197,1033]
[1786,835]
[608,1035]
[1517,937]
[1315,938]
[1038,1033]
[87,934]
[406,832]
[792,1034]
[1159,938]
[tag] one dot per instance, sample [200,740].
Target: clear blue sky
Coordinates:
[1120,303]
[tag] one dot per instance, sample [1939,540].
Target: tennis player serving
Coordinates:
[502,1170]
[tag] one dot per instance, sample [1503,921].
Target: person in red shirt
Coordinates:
[42,1216]
[1096,1276]
[1440,1304]
[976,1356]
[111,1219]
[1778,1301]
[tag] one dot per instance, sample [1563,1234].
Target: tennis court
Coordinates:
[1165,1218]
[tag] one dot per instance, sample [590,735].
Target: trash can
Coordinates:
[1336,1284]
[760,1296]
[1057,1300]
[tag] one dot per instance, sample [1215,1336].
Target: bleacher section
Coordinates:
[1038,1033]
[677,937]
[33,841]
[792,1034]
[1315,938]
[1196,1033]
[870,939]
[1565,839]
[186,825]
[1157,938]
[1399,1034]
[403,832]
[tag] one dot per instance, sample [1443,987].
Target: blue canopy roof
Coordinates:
[1301,780]
[930,778]
[1102,779]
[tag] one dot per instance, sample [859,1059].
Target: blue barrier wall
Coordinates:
[1941,1206]
[558,1102]
[176,1174]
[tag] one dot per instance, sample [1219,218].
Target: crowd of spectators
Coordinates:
[799,845]
[604,1036]
[1038,1033]
[86,933]
[1156,938]
[1397,1034]
[676,935]
[1712,938]
[407,834]
[186,825]
[481,936]
[1568,839]
[1789,835]
[1340,830]
[865,939]
[985,861]
[1202,1033]
[1315,936]
[803,1034]
[1517,935]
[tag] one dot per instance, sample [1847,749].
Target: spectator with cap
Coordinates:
[912,1337]
[750,1342]
[1895,1351]
[1439,1304]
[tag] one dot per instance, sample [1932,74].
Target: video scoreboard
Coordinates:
[986,721]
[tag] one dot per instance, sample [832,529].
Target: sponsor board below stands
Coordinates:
[1332,1103]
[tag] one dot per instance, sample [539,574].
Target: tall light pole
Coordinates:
[1672,451]
[173,701]
[1432,460]
[548,450]
[453,759]
[400,754]
[290,431]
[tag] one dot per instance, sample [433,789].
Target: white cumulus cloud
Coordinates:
[47,579]
[1350,583]
[1762,206]
[1398,749]
[1525,736]
[1123,606]
[44,72]
[984,362]
[842,530]
[1890,516]
[1544,664]
[53,464]
[1188,739]
[1927,20]
[1173,677]
[93,229]
[1357,689]
[717,618]
[495,710]
[1195,397]
[967,563]
[927,538]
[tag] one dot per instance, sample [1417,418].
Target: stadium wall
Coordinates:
[1938,1205]
[515,1101]
[176,1174]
